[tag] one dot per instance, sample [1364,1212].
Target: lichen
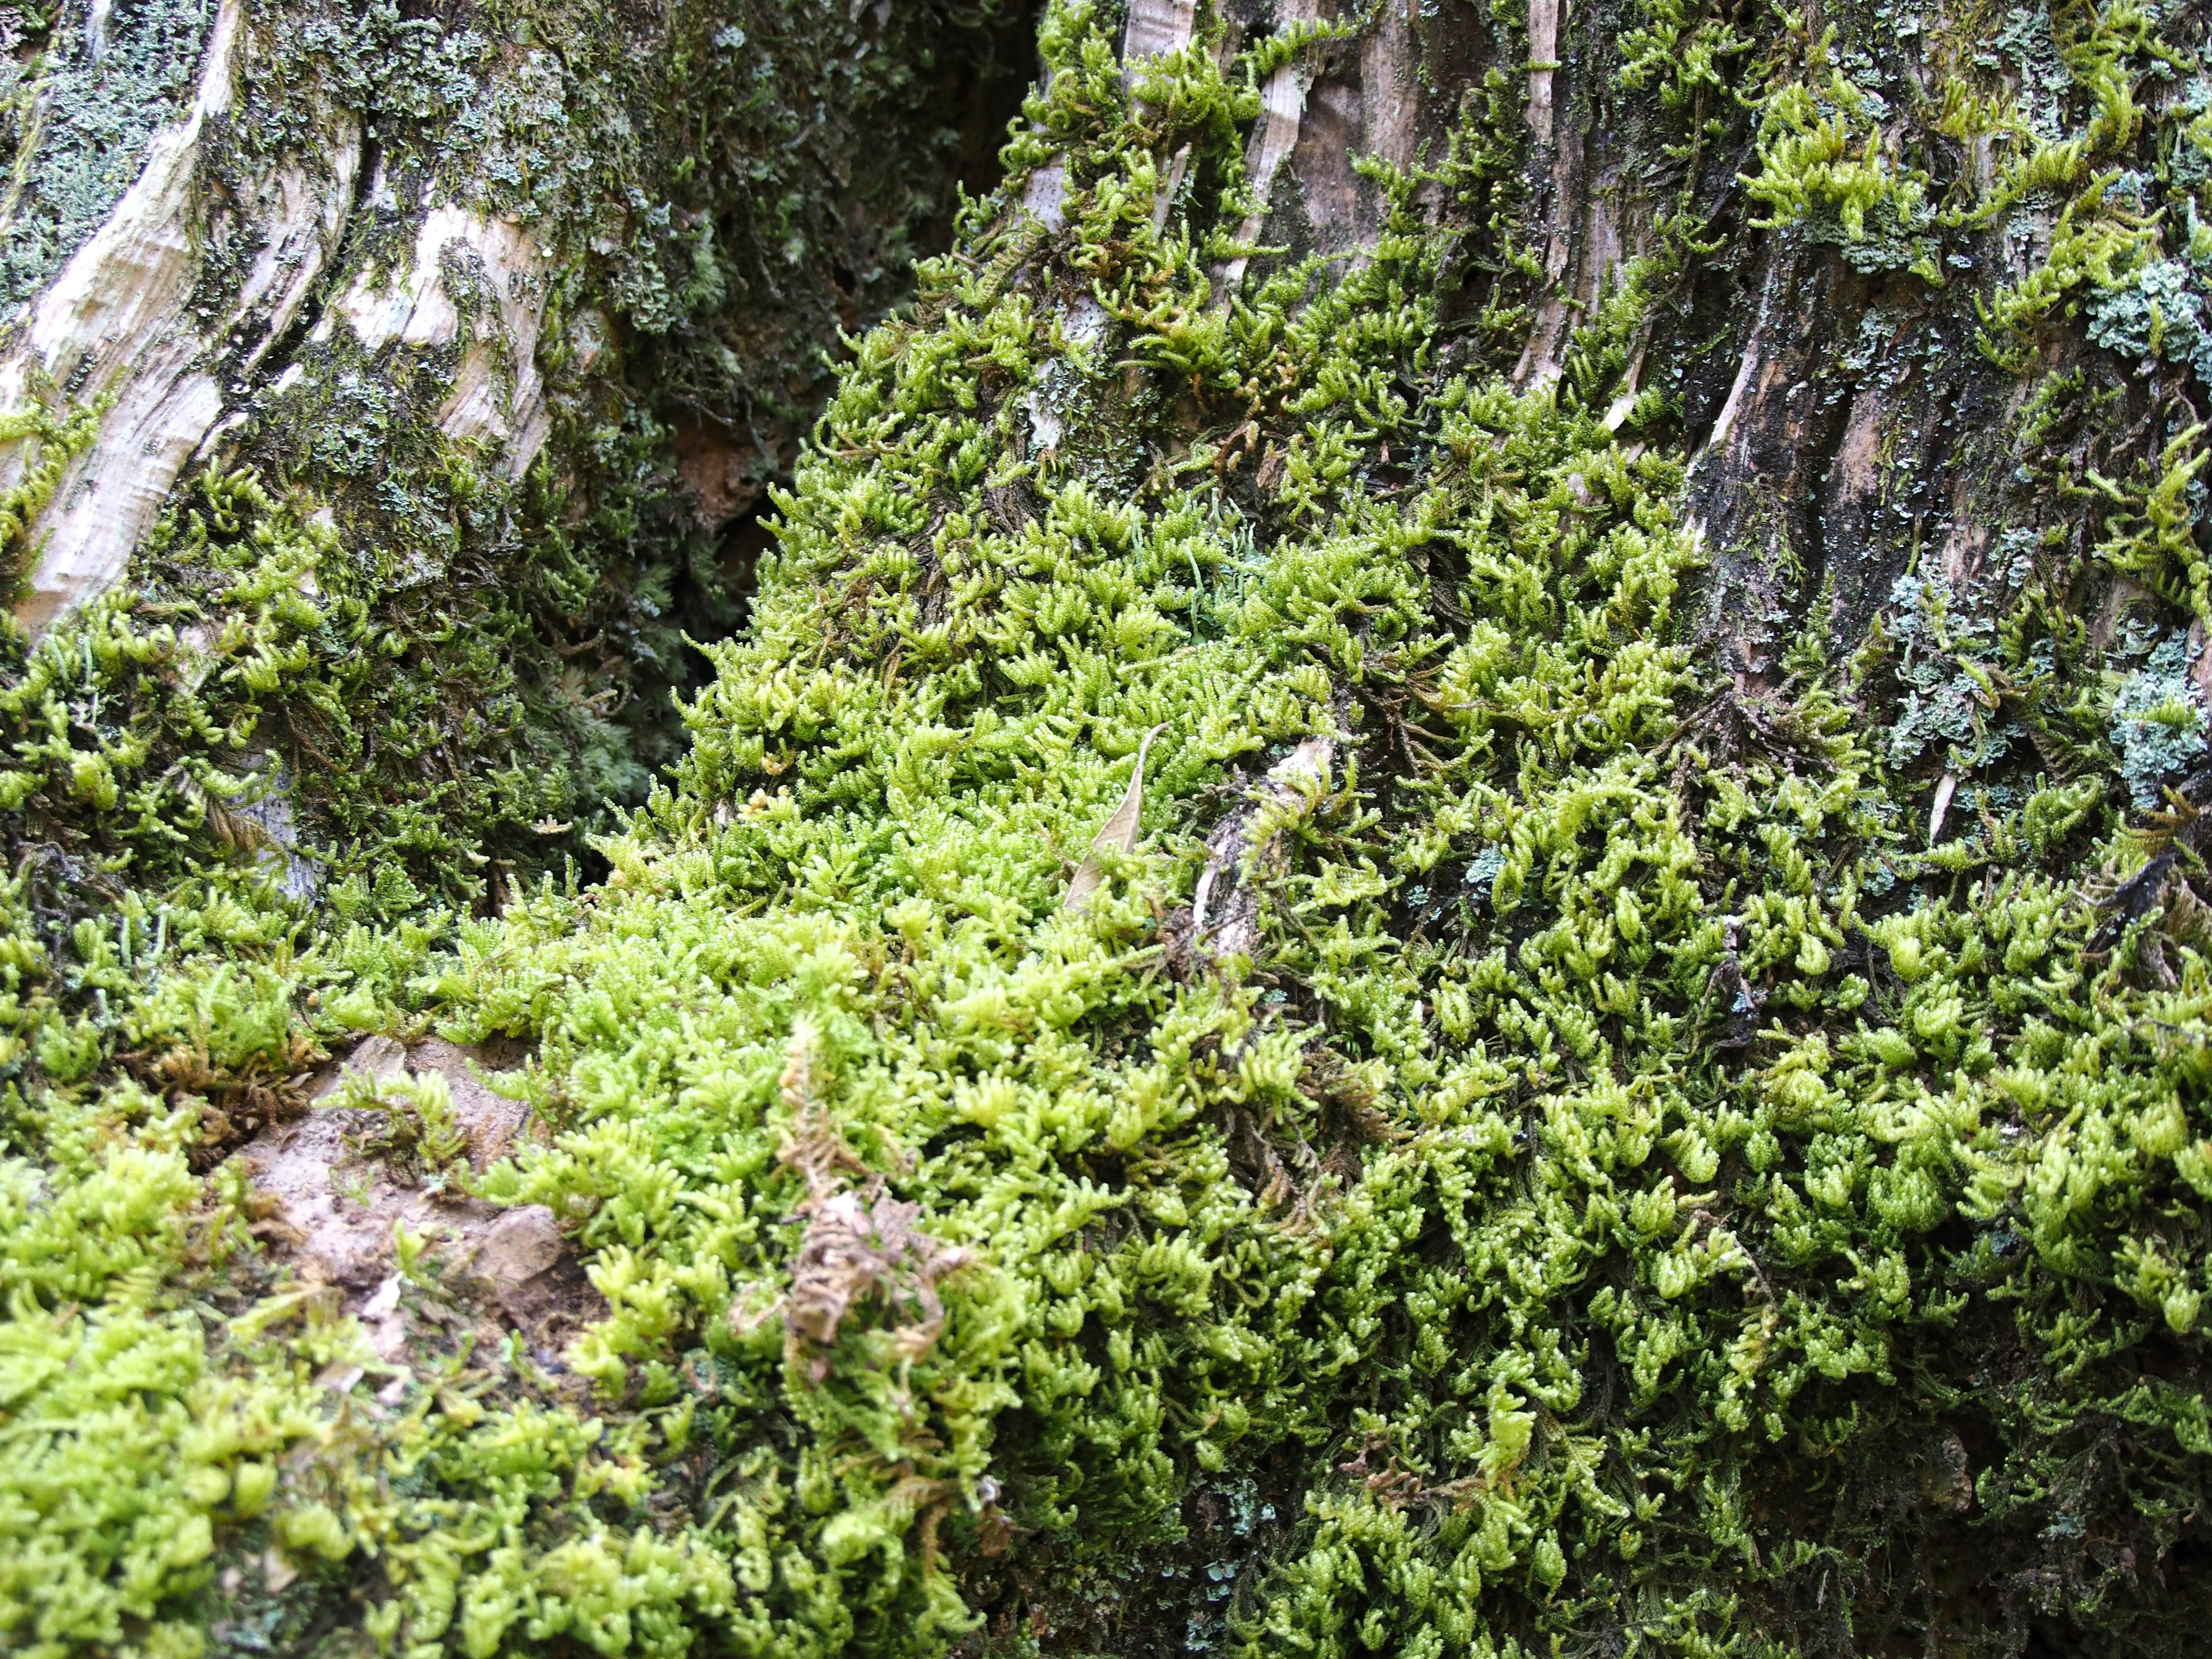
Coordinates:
[2159,721]
[88,86]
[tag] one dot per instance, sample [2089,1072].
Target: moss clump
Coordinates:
[1822,164]
[1623,1178]
[1536,1145]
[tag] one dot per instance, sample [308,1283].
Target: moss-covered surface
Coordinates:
[714,194]
[84,88]
[708,196]
[1557,1135]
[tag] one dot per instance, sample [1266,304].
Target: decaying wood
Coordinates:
[1225,907]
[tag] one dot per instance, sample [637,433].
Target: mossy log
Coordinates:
[1443,899]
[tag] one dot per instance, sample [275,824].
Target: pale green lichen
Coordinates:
[2159,721]
[88,86]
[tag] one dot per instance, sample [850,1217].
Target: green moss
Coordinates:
[1537,1145]
[1573,1242]
[1822,164]
[45,441]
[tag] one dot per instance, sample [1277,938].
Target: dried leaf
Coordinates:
[1944,791]
[1119,832]
[857,1244]
[812,1145]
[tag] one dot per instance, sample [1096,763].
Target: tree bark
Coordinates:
[401,265]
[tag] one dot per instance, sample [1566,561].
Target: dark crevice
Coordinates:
[286,347]
[1825,443]
[716,602]
[979,94]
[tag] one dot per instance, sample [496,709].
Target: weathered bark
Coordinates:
[401,266]
[198,300]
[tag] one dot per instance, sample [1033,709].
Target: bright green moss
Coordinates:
[1822,164]
[1642,1175]
[1593,1167]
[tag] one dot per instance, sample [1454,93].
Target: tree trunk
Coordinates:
[490,295]
[1443,899]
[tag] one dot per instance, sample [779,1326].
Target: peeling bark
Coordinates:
[121,325]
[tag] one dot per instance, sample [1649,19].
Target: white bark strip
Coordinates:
[1715,452]
[1944,791]
[117,324]
[1157,28]
[1545,17]
[1045,194]
[1282,109]
[497,395]
[1717,443]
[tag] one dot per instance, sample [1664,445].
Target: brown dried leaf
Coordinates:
[857,1244]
